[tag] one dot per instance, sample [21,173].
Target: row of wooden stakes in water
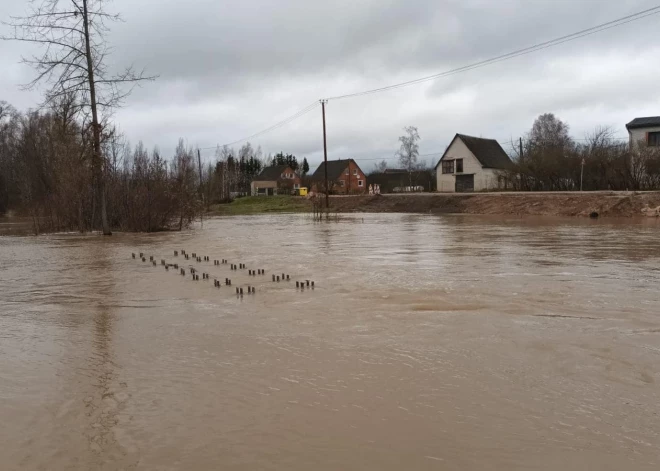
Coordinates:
[216,282]
[206,258]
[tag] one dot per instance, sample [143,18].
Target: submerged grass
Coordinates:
[262,204]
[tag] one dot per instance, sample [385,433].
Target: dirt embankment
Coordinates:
[613,204]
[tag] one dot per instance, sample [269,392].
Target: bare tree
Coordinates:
[381,166]
[548,130]
[73,64]
[409,150]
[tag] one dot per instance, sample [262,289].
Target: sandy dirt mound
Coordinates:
[624,204]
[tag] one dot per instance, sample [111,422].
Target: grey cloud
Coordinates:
[229,69]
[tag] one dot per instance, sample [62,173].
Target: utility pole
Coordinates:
[325,158]
[201,190]
[581,174]
[199,164]
[521,151]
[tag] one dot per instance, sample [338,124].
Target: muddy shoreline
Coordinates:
[605,204]
[560,204]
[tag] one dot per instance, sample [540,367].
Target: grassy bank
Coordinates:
[613,204]
[261,204]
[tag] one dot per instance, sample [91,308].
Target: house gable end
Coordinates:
[458,150]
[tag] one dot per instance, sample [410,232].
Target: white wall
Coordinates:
[484,178]
[255,185]
[637,135]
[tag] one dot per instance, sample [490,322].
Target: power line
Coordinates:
[511,55]
[433,154]
[279,124]
[520,52]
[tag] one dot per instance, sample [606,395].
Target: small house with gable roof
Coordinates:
[471,164]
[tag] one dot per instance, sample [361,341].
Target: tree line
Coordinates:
[48,172]
[233,171]
[549,159]
[55,161]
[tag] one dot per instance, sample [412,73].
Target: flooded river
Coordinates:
[429,342]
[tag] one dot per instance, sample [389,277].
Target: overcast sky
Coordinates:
[230,69]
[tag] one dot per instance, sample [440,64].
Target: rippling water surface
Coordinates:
[430,342]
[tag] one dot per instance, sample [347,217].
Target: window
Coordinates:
[459,165]
[355,171]
[654,139]
[447,166]
[347,172]
[296,186]
[360,183]
[283,176]
[341,182]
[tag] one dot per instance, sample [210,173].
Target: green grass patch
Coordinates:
[262,204]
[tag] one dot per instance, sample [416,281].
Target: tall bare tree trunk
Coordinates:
[96,131]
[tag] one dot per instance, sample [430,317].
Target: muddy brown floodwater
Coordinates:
[430,342]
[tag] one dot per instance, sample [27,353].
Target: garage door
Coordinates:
[464,183]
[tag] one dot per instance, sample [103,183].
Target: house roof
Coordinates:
[335,169]
[271,173]
[488,152]
[650,121]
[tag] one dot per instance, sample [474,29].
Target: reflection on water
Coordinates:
[429,343]
[16,226]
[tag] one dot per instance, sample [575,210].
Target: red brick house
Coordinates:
[344,177]
[277,179]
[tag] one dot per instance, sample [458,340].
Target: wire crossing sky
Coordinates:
[511,55]
[238,72]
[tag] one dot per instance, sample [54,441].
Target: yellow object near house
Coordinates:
[302,191]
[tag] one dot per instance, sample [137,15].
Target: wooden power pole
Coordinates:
[201,188]
[199,164]
[325,157]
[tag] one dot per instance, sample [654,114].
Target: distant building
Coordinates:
[277,179]
[471,164]
[644,130]
[400,181]
[344,177]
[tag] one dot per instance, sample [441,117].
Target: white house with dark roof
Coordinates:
[644,130]
[275,179]
[471,164]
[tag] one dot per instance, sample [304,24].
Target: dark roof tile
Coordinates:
[488,152]
[650,121]
[272,173]
[335,169]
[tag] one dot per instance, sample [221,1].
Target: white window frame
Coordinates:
[355,172]
[342,183]
[360,183]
